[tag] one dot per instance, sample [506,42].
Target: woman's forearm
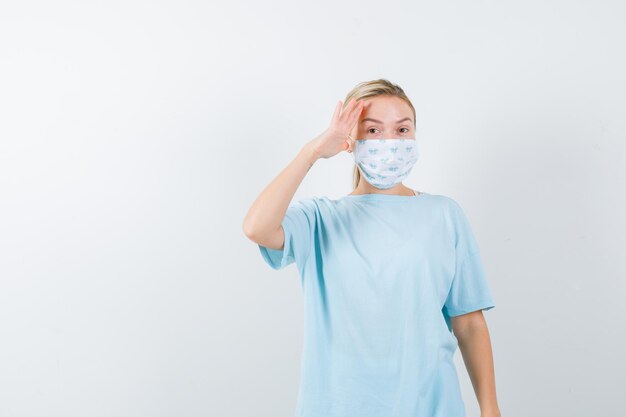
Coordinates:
[266,213]
[475,346]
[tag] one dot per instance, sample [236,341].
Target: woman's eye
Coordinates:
[407,129]
[370,130]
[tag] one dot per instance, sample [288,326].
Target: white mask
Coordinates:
[385,162]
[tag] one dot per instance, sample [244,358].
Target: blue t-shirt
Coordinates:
[381,276]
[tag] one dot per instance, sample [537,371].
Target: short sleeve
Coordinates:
[298,226]
[470,289]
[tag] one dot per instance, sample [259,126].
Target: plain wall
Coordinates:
[135,135]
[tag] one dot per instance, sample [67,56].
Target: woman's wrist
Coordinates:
[310,153]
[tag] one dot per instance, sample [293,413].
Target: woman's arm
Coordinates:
[263,222]
[475,345]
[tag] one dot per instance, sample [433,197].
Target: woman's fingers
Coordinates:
[348,113]
[346,119]
[348,109]
[340,115]
[354,116]
[336,113]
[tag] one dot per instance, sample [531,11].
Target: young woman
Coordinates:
[392,278]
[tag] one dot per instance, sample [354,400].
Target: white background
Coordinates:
[134,135]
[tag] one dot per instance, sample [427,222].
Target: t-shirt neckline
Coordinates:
[385,197]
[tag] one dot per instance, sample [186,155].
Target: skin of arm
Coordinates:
[263,222]
[472,334]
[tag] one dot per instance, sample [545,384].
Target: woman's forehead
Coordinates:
[386,110]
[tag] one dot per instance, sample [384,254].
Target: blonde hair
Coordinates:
[374,88]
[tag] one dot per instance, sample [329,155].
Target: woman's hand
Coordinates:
[335,138]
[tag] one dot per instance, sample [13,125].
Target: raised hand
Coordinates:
[336,137]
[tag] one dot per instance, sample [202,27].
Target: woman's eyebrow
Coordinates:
[369,119]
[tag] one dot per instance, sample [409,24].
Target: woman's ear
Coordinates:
[351,139]
[350,142]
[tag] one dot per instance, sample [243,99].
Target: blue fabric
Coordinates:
[381,276]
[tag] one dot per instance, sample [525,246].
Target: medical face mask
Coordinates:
[385,162]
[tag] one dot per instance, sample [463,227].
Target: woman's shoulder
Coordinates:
[320,202]
[314,203]
[317,205]
[444,200]
[448,205]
